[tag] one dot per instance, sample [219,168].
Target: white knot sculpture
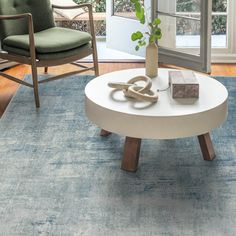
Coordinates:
[132,90]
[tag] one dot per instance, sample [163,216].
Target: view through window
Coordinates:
[124,8]
[187,31]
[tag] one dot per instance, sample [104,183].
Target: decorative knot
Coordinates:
[132,90]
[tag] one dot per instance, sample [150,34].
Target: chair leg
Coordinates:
[95,55]
[95,62]
[96,68]
[45,70]
[94,45]
[35,83]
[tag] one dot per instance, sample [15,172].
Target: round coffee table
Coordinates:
[167,119]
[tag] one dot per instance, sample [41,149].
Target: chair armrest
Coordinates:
[88,5]
[14,17]
[90,11]
[30,28]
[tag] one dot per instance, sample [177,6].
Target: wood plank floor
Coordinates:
[8,88]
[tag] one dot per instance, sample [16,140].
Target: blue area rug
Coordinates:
[59,177]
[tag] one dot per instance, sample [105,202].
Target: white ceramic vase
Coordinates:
[151,64]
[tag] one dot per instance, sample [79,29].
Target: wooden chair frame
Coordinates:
[35,63]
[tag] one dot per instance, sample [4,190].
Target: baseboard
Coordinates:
[113,61]
[223,58]
[7,64]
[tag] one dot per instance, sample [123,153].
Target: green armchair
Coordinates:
[29,36]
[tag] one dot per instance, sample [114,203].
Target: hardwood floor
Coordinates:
[223,70]
[8,88]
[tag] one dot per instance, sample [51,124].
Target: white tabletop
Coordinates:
[168,118]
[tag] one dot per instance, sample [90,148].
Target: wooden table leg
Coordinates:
[206,147]
[131,154]
[104,133]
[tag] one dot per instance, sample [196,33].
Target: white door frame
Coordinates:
[228,55]
[200,62]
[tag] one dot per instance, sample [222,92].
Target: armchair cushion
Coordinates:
[51,40]
[81,51]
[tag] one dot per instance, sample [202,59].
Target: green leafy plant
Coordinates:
[154,33]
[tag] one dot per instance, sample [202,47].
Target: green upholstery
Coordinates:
[51,40]
[86,49]
[40,9]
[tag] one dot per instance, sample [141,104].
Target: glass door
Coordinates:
[121,22]
[185,24]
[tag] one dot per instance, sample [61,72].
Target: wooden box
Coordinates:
[183,84]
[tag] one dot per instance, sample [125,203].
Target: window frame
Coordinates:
[200,61]
[228,55]
[225,54]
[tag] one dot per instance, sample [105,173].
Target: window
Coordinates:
[187,32]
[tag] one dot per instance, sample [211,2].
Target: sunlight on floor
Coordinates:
[105,53]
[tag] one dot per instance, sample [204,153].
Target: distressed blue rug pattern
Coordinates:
[59,177]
